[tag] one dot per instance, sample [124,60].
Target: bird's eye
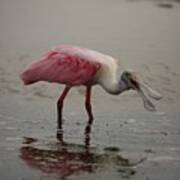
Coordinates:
[127,74]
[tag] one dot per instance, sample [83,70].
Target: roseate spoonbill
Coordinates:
[75,66]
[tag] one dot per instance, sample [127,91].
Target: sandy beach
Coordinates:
[124,141]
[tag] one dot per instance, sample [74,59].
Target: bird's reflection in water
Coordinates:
[63,159]
[67,159]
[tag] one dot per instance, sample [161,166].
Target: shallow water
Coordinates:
[124,141]
[134,144]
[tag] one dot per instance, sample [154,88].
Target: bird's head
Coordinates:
[134,81]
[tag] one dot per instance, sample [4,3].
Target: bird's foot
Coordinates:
[59,135]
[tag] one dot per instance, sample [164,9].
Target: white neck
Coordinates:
[114,87]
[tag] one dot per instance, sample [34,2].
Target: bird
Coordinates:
[77,66]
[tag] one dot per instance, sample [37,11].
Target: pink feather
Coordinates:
[65,64]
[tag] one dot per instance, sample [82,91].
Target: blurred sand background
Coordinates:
[143,35]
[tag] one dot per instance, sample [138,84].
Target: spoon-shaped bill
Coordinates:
[147,103]
[145,91]
[151,92]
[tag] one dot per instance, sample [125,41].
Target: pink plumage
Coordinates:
[74,66]
[65,64]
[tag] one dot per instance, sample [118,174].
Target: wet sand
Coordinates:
[124,141]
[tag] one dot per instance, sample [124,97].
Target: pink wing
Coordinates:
[62,67]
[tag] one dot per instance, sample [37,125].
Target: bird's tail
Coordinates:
[27,77]
[39,70]
[31,74]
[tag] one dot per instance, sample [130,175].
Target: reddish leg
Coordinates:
[88,103]
[59,109]
[87,133]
